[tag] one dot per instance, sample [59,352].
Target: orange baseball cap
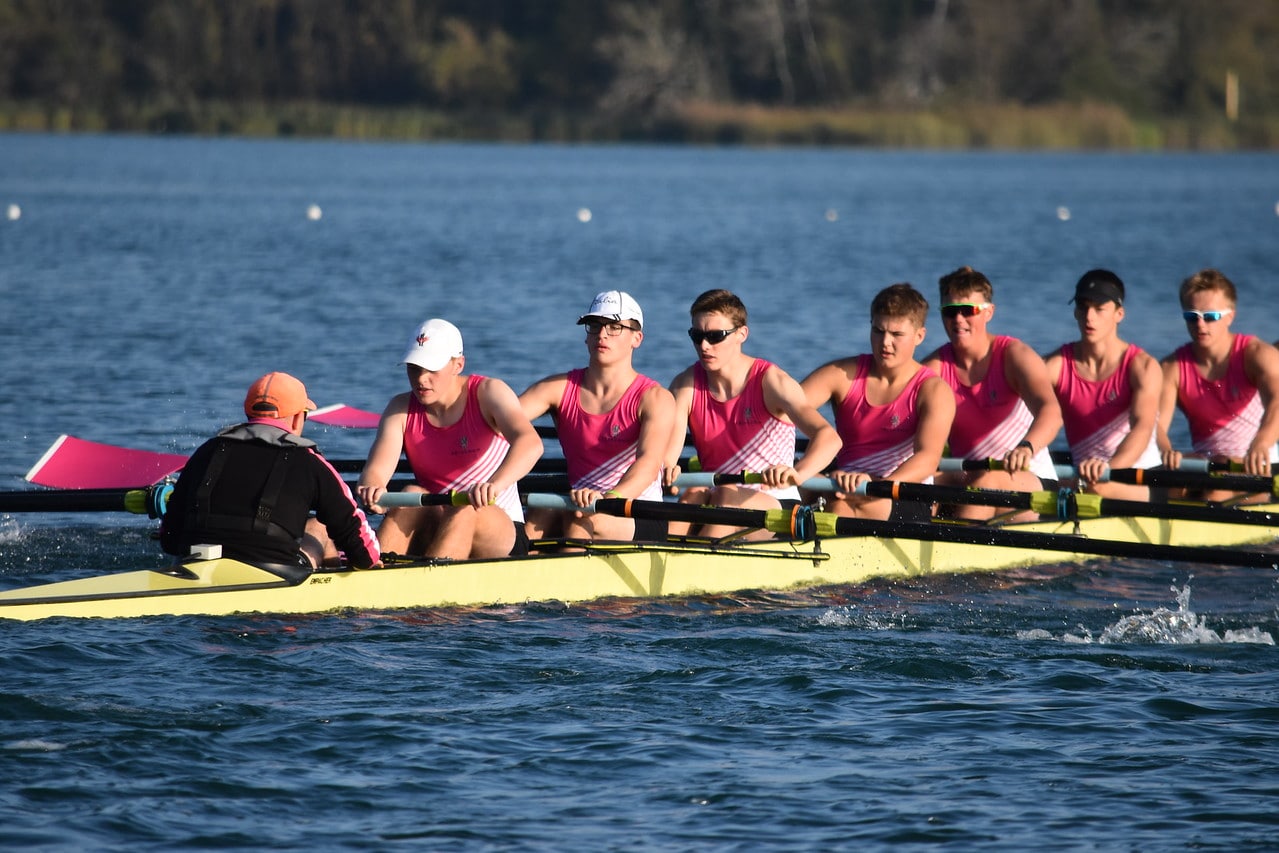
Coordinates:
[277,395]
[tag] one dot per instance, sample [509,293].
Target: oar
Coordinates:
[1179,479]
[151,500]
[414,499]
[1065,505]
[802,523]
[951,464]
[74,463]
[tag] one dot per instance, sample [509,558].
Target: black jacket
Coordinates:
[251,489]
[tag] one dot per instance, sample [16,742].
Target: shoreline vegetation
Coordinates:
[1084,127]
[1195,75]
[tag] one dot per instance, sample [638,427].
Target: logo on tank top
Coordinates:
[1112,396]
[894,422]
[463,442]
[615,430]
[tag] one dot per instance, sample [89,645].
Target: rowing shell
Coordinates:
[603,570]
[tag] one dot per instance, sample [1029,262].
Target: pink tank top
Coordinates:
[990,417]
[740,434]
[601,448]
[1097,414]
[1223,416]
[877,439]
[458,456]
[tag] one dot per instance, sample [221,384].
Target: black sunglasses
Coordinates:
[711,336]
[963,309]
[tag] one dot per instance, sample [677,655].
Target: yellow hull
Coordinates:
[224,586]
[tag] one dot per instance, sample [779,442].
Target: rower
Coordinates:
[460,433]
[1226,384]
[1004,403]
[891,413]
[252,487]
[613,424]
[1108,390]
[742,413]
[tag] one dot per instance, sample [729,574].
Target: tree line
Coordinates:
[634,69]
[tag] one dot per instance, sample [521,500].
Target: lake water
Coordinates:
[146,282]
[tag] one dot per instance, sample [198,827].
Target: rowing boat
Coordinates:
[835,551]
[221,586]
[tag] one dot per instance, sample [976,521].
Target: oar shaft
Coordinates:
[1036,541]
[827,524]
[1178,479]
[925,493]
[64,500]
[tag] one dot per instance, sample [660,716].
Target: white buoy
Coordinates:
[832,214]
[14,213]
[584,214]
[313,212]
[1276,208]
[1063,213]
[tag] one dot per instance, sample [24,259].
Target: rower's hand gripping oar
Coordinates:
[415,499]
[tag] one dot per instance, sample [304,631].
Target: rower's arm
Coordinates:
[682,392]
[384,454]
[543,396]
[1262,364]
[1146,380]
[936,407]
[783,395]
[657,423]
[502,410]
[1167,406]
[1028,376]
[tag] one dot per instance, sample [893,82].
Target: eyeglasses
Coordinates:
[1206,316]
[963,309]
[608,330]
[710,336]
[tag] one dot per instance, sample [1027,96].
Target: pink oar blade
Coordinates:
[342,415]
[73,463]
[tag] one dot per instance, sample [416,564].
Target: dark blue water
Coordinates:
[1127,705]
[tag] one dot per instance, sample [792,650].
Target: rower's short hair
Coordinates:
[720,301]
[900,301]
[963,281]
[1208,279]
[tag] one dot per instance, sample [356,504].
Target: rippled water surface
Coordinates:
[1115,705]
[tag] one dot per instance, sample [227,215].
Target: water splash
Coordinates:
[1161,627]
[850,616]
[10,530]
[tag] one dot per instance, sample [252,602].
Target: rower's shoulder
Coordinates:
[933,358]
[398,405]
[546,383]
[845,367]
[683,379]
[1262,357]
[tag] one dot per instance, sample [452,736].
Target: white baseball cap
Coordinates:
[434,343]
[616,306]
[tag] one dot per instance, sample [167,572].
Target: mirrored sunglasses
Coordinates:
[711,336]
[963,309]
[1206,316]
